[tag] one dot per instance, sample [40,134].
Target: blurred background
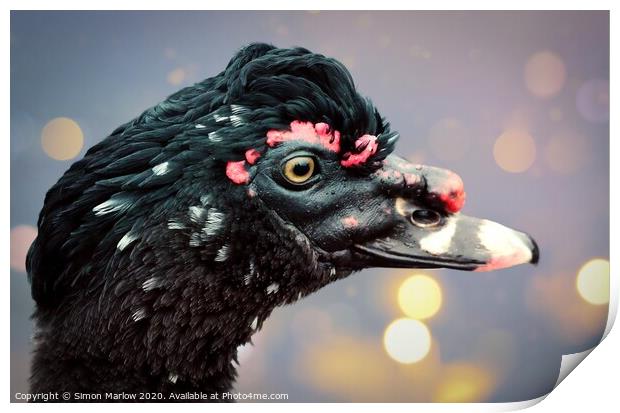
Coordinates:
[517,103]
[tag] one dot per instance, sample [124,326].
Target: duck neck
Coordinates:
[171,354]
[168,318]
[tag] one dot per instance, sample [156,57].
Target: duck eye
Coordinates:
[299,169]
[425,218]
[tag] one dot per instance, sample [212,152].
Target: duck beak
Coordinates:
[458,242]
[427,230]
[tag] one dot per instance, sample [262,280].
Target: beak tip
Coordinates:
[535,252]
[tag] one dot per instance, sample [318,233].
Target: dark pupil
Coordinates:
[301,168]
[425,216]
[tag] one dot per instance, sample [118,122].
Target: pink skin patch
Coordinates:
[320,134]
[502,262]
[451,192]
[236,172]
[251,193]
[350,222]
[367,146]
[252,155]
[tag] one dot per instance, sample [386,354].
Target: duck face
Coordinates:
[359,214]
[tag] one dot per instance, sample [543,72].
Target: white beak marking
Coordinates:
[504,245]
[439,242]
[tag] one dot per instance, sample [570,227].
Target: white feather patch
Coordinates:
[139,314]
[151,284]
[439,242]
[200,126]
[196,214]
[111,205]
[127,239]
[214,222]
[172,378]
[222,253]
[273,288]
[172,224]
[161,169]
[237,121]
[215,137]
[254,324]
[238,109]
[195,240]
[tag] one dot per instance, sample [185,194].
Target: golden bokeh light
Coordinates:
[419,296]
[449,139]
[62,139]
[566,153]
[545,74]
[593,281]
[464,382]
[514,151]
[407,341]
[21,238]
[176,76]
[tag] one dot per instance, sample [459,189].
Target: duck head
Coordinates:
[360,212]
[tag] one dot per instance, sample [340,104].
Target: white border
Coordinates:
[592,387]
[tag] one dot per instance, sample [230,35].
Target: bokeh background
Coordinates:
[516,102]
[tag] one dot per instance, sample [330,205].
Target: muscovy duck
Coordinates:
[169,244]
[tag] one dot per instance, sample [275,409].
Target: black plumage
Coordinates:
[154,261]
